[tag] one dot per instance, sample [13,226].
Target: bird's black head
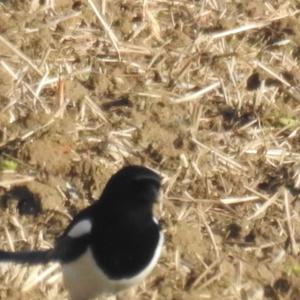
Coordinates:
[133,186]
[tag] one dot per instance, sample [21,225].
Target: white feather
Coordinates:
[81,228]
[155,220]
[85,280]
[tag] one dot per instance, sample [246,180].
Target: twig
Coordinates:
[198,94]
[20,54]
[295,248]
[107,29]
[34,280]
[206,272]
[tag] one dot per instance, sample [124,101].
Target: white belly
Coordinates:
[84,280]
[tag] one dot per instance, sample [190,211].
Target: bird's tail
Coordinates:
[28,257]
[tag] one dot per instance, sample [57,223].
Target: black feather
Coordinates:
[27,257]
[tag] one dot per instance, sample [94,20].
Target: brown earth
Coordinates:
[74,109]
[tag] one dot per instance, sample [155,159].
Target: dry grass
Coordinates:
[205,92]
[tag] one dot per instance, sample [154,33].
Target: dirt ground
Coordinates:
[205,92]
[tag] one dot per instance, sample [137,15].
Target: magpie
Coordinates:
[111,245]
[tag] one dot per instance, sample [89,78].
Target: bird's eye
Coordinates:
[146,189]
[146,183]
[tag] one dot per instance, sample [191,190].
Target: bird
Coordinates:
[112,244]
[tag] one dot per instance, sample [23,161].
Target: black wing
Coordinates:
[74,241]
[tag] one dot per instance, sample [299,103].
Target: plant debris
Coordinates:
[205,92]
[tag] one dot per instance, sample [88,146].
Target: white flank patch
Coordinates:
[81,228]
[85,280]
